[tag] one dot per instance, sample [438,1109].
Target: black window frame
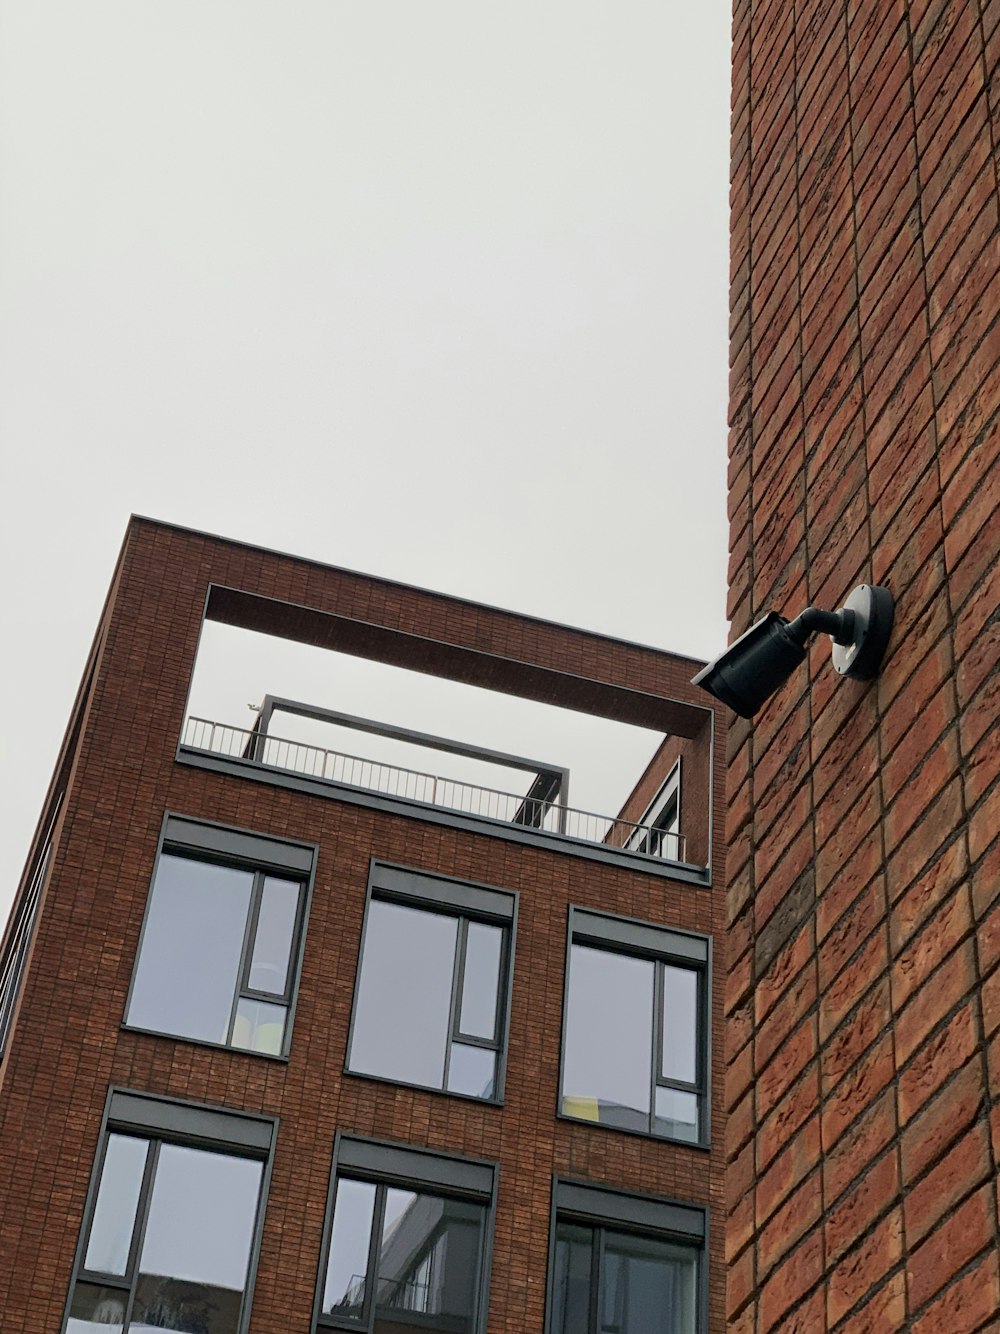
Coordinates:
[467,902]
[667,802]
[387,1164]
[663,946]
[263,855]
[608,1209]
[167,1120]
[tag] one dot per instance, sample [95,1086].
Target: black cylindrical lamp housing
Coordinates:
[754,666]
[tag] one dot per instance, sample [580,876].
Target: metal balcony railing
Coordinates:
[272,752]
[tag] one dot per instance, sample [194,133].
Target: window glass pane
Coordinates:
[666,821]
[647,1287]
[428,1263]
[571,1279]
[259,1026]
[401,1023]
[609,1039]
[96,1310]
[679,1059]
[189,963]
[665,842]
[676,1114]
[117,1198]
[350,1238]
[472,1070]
[272,946]
[481,980]
[195,1253]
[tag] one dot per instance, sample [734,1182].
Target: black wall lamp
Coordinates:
[755,665]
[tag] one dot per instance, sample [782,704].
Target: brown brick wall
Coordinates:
[67,1046]
[863,1013]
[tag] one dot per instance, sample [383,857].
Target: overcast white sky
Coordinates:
[434,289]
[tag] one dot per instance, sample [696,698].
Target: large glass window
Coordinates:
[219,946]
[405,1255]
[634,1054]
[659,828]
[172,1222]
[431,995]
[609,1282]
[624,1264]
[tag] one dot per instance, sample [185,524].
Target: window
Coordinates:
[624,1264]
[659,831]
[173,1220]
[219,953]
[406,1243]
[634,1032]
[431,1001]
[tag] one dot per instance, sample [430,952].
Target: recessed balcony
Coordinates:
[535,800]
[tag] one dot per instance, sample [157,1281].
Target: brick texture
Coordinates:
[120,773]
[864,428]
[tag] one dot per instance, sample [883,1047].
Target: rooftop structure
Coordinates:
[340,1012]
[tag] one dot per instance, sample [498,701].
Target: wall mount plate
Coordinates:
[873,610]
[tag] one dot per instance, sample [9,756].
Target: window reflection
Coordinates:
[643,1285]
[195,1210]
[404,994]
[631,1056]
[350,1240]
[217,898]
[117,1201]
[427,1010]
[425,1270]
[275,932]
[677,1114]
[217,953]
[571,1279]
[471,1070]
[480,980]
[609,1038]
[259,1026]
[196,1249]
[679,1058]
[96,1310]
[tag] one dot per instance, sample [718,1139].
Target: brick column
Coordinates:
[864,901]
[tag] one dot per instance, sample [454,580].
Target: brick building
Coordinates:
[863,1009]
[297,1041]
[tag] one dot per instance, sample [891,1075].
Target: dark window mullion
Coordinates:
[596,1279]
[295,945]
[457,978]
[142,1217]
[657,1038]
[681,1085]
[374,1247]
[252,993]
[249,936]
[502,974]
[139,1226]
[488,1044]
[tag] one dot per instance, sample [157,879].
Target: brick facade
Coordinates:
[121,774]
[864,921]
